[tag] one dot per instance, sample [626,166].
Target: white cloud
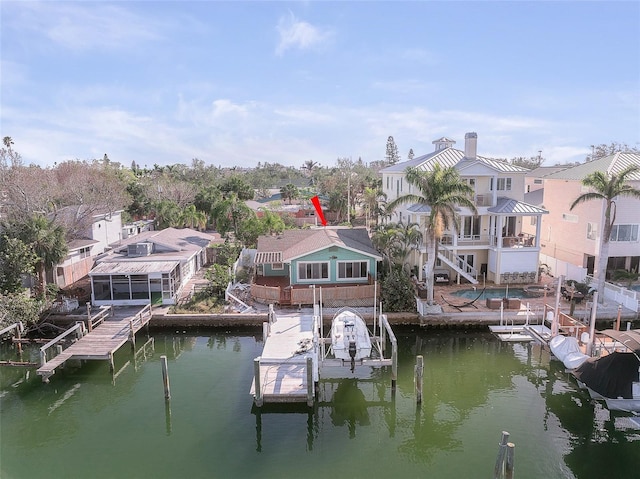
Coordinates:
[82,26]
[297,34]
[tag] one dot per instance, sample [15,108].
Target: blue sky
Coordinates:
[238,83]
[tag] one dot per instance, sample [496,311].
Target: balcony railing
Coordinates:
[484,200]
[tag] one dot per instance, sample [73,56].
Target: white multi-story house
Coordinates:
[489,245]
[571,239]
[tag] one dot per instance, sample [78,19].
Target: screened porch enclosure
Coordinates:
[135,287]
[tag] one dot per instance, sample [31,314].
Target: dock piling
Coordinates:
[165,377]
[257,387]
[419,373]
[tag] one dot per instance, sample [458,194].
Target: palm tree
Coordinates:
[442,191]
[606,187]
[192,218]
[47,241]
[289,192]
[372,199]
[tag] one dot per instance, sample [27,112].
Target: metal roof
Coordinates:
[420,208]
[451,157]
[134,267]
[611,164]
[509,206]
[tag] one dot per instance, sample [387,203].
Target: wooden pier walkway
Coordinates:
[295,356]
[101,342]
[283,369]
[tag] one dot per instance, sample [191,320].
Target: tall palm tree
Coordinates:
[442,191]
[606,187]
[373,199]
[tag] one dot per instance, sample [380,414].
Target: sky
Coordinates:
[241,83]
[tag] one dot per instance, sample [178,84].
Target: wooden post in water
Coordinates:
[256,379]
[618,318]
[418,378]
[498,471]
[112,366]
[133,335]
[309,381]
[165,377]
[509,468]
[89,322]
[18,328]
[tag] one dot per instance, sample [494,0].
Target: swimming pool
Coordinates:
[490,293]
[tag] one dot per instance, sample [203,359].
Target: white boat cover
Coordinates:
[567,350]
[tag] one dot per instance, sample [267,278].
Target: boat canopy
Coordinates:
[631,338]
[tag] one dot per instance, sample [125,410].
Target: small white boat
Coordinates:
[350,340]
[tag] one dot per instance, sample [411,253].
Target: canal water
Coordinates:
[87,423]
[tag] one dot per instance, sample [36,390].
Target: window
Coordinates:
[277,266]
[624,233]
[307,271]
[537,182]
[534,220]
[592,231]
[470,226]
[352,270]
[569,218]
[504,184]
[85,252]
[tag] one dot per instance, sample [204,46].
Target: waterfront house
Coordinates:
[490,245]
[340,260]
[93,233]
[150,267]
[571,238]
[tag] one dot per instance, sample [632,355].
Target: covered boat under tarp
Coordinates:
[567,350]
[611,376]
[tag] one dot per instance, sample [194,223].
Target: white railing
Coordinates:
[458,263]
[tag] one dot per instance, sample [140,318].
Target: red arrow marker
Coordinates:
[316,202]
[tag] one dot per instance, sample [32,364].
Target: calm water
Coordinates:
[85,424]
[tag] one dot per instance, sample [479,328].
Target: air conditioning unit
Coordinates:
[140,249]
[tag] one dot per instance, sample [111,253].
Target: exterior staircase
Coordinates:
[457,263]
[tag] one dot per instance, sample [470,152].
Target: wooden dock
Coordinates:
[287,369]
[295,354]
[108,331]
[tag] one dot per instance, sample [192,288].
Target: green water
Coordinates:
[86,424]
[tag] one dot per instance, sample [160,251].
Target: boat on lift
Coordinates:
[614,377]
[350,339]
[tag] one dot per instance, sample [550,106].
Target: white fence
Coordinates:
[561,268]
[626,297]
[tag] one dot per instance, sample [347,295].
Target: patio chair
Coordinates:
[505,277]
[515,277]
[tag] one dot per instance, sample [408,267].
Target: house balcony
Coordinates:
[484,200]
[466,240]
[523,240]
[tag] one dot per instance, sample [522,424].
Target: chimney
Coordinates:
[470,145]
